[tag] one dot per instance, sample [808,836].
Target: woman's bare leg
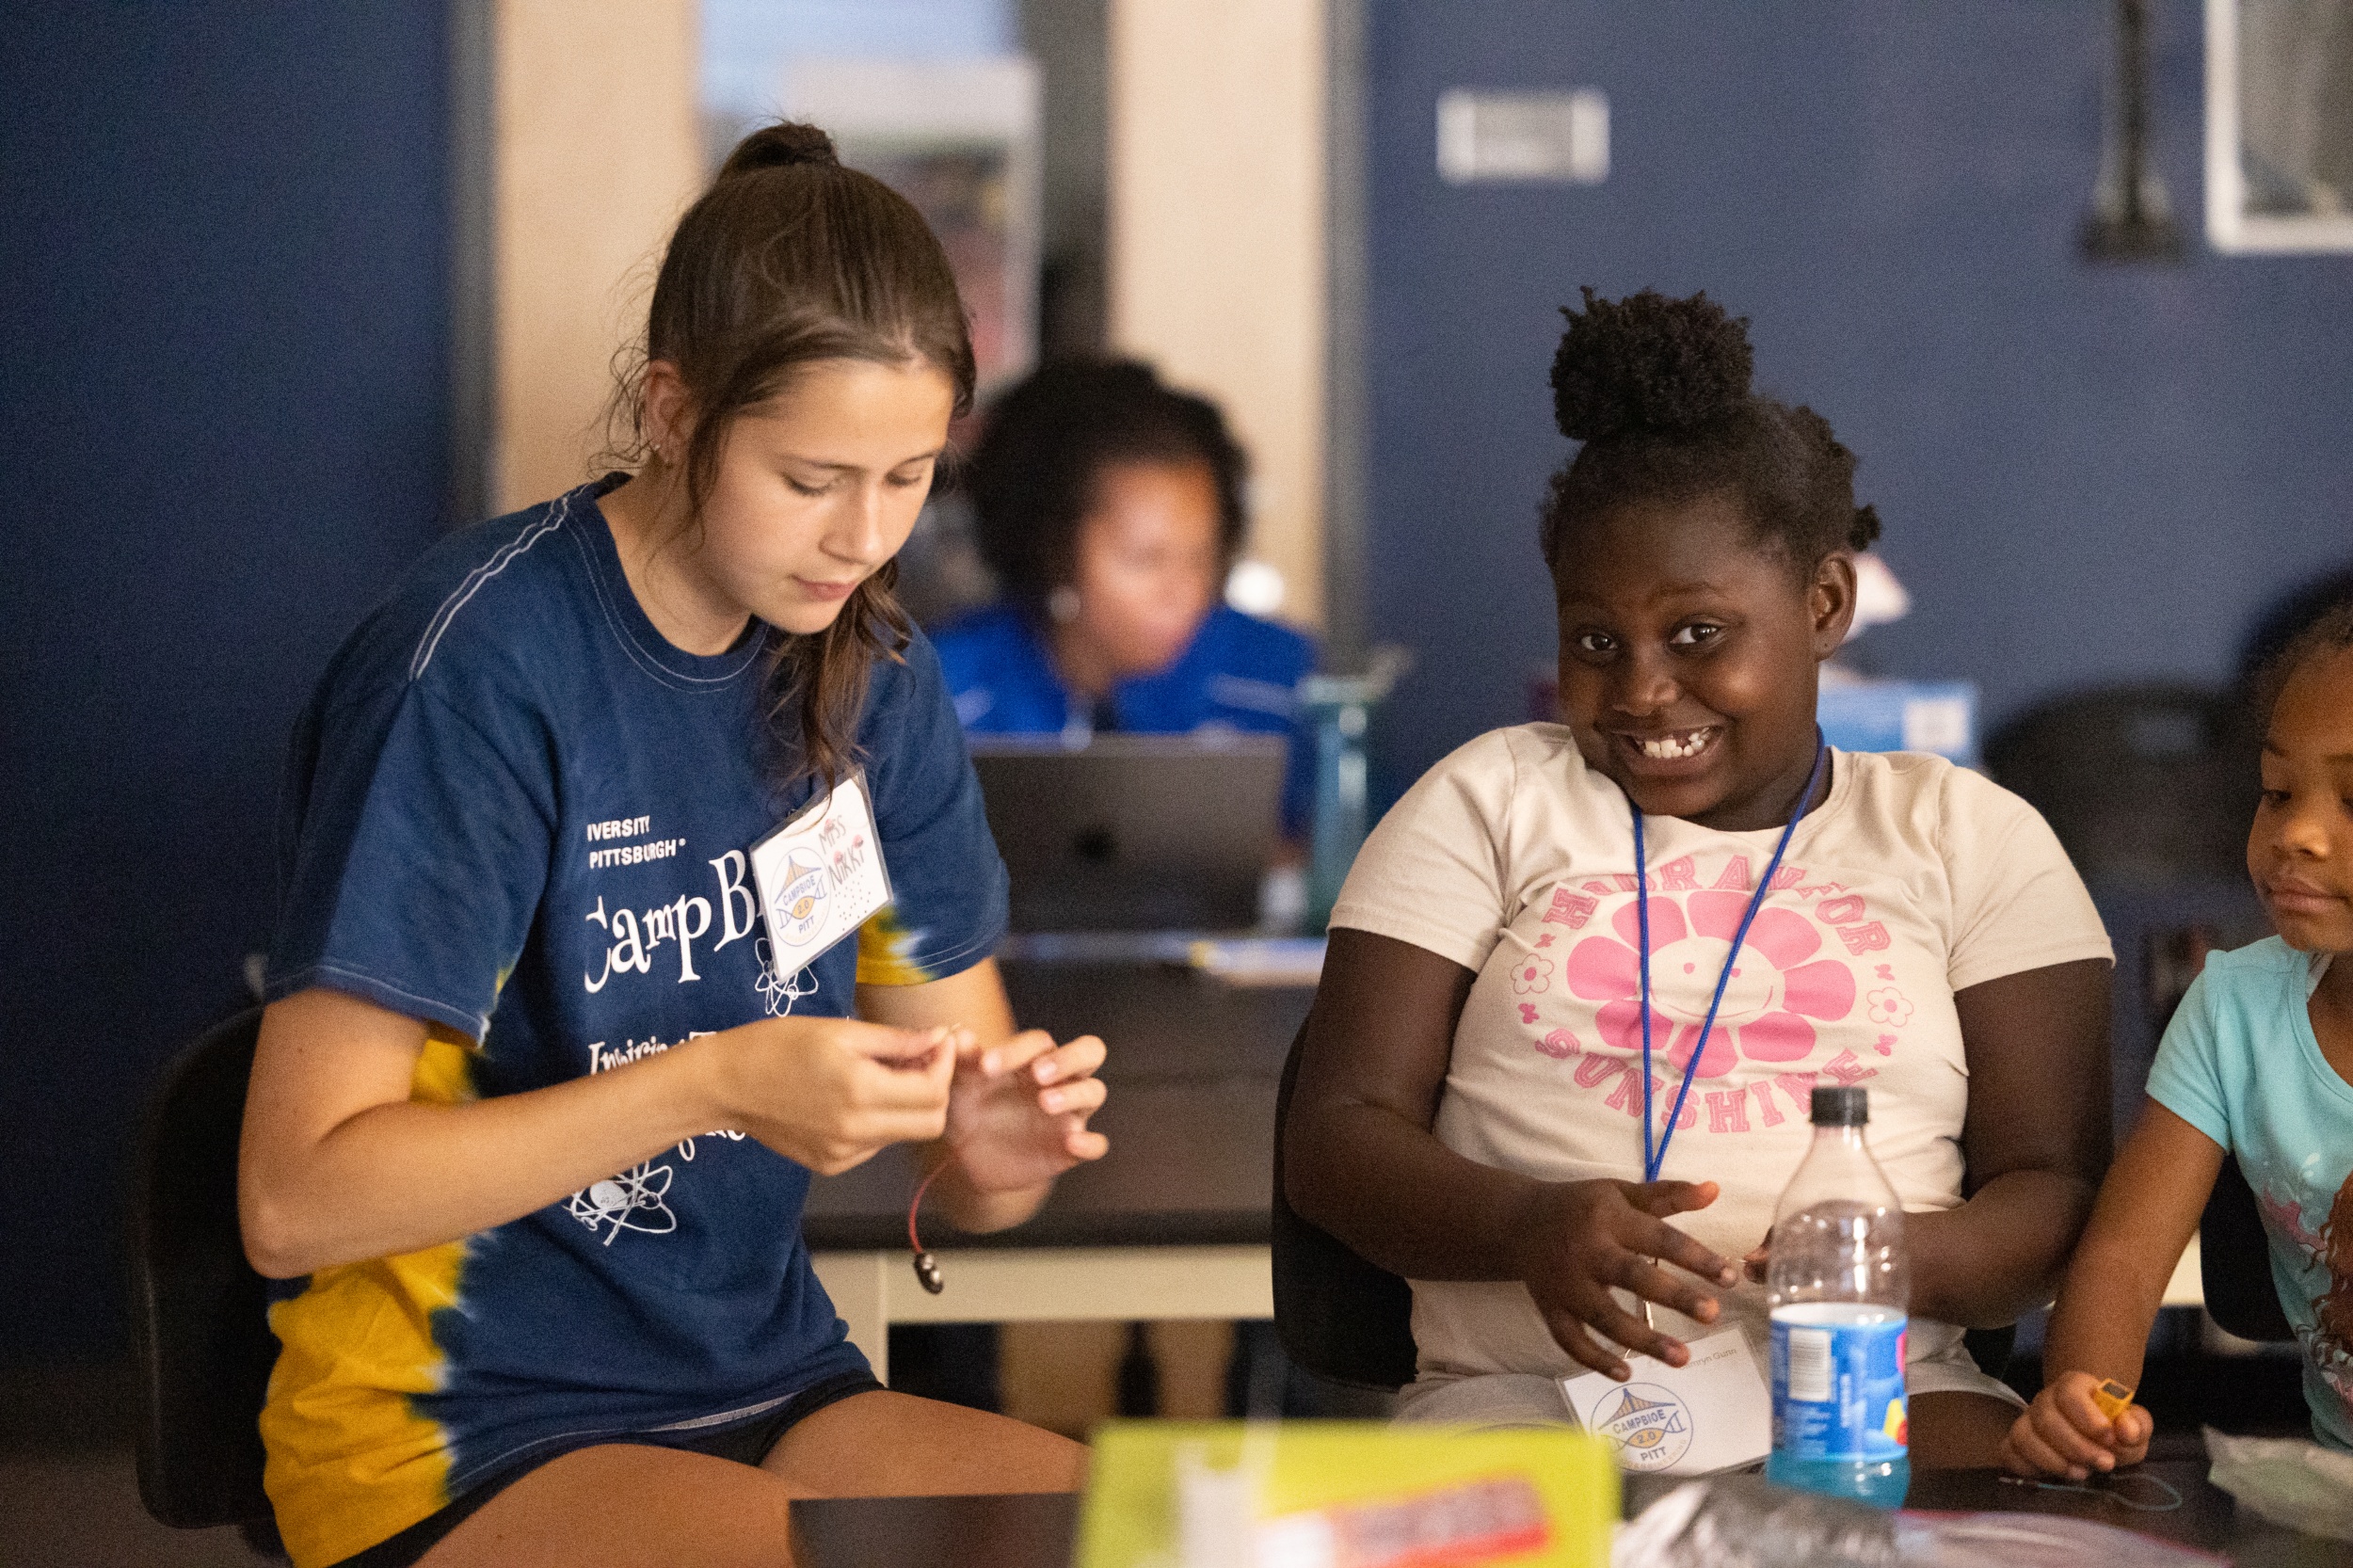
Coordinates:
[1956,1431]
[628,1506]
[885,1444]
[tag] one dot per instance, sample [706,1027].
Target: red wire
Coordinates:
[914,1243]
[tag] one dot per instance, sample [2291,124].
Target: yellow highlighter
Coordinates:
[2112,1398]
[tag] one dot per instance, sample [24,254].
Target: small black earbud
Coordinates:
[927,1271]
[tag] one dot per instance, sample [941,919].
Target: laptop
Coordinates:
[1134,832]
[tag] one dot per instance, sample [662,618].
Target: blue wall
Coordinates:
[225,401]
[2087,473]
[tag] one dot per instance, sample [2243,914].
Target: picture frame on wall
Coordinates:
[2280,127]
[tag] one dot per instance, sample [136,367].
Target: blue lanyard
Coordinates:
[1653,1160]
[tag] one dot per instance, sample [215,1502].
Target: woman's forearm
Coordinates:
[397,1176]
[977,1213]
[337,1163]
[2000,1254]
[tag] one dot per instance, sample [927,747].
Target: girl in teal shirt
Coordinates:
[2258,1062]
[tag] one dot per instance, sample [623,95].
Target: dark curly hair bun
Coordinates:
[1865,532]
[1658,392]
[1649,361]
[779,146]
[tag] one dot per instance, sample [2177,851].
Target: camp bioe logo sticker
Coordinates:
[1713,1413]
[820,875]
[1649,1427]
[800,909]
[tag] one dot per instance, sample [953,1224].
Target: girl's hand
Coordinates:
[830,1092]
[1017,1112]
[1578,1239]
[2064,1433]
[1759,1260]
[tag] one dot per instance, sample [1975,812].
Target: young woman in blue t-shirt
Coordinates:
[2258,1063]
[534,1309]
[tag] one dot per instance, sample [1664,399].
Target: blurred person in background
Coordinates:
[1112,508]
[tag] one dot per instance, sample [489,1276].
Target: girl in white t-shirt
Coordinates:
[1470,1108]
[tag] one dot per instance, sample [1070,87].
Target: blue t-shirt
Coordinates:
[1238,673]
[2240,1063]
[516,811]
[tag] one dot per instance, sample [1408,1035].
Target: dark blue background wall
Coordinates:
[224,406]
[2087,473]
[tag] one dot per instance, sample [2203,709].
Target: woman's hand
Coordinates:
[830,1092]
[1580,1238]
[1019,1105]
[2065,1433]
[1017,1112]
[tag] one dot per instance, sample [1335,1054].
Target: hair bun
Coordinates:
[779,146]
[1865,532]
[1648,360]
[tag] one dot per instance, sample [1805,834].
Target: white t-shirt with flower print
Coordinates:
[1914,880]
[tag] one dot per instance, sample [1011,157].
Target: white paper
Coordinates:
[820,877]
[1714,1413]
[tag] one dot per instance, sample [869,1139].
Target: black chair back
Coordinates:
[202,1345]
[2149,784]
[1338,1317]
[2235,1261]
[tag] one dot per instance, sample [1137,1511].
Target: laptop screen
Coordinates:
[1134,832]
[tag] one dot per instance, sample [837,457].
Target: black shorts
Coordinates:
[747,1443]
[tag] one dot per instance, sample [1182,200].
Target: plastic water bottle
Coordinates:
[1837,1289]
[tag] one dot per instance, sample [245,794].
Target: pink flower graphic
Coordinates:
[1766,1004]
[1890,1008]
[1532,976]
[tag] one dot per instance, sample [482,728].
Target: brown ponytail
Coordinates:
[788,259]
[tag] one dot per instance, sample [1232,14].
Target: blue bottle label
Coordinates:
[1838,1382]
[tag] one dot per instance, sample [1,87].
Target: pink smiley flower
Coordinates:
[1768,1002]
[1533,975]
[1889,1007]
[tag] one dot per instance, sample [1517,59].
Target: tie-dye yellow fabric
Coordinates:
[884,947]
[350,1461]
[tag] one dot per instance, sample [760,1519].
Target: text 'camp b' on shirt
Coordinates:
[1913,879]
[519,814]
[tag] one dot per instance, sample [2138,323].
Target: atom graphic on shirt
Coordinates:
[778,993]
[1768,1002]
[630,1201]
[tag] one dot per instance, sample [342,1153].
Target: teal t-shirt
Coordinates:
[2240,1063]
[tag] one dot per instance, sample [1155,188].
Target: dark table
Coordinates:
[1172,1223]
[2209,1518]
[1040,1532]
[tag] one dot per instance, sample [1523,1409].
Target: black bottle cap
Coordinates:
[1842,1106]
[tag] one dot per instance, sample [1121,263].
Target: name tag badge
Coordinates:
[1714,1413]
[819,875]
